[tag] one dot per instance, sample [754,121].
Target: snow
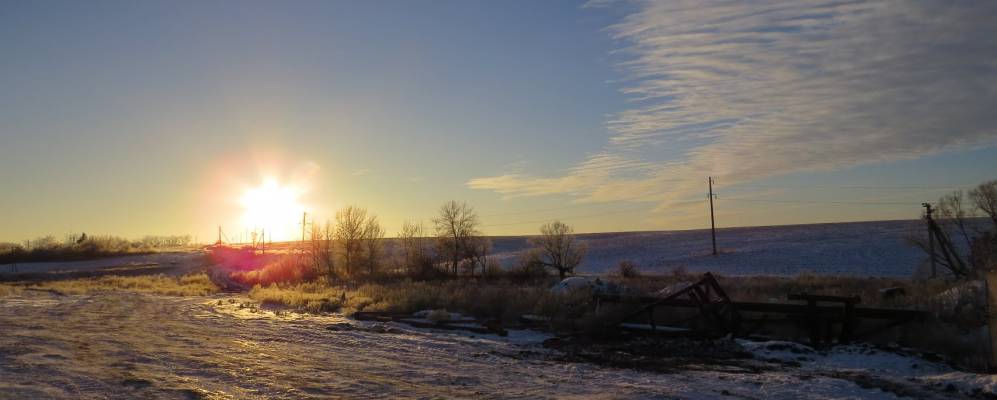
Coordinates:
[596,285]
[120,345]
[860,248]
[181,261]
[440,315]
[898,365]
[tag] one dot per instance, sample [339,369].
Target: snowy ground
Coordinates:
[860,248]
[878,249]
[181,262]
[121,345]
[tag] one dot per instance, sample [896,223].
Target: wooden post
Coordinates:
[848,324]
[813,326]
[991,289]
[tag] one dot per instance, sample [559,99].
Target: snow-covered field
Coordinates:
[121,345]
[860,248]
[182,262]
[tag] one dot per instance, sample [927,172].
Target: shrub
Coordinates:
[627,269]
[493,270]
[289,269]
[425,268]
[311,297]
[527,270]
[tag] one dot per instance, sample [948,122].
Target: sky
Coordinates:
[138,117]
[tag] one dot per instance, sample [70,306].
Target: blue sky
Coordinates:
[139,118]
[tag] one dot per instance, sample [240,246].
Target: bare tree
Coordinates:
[954,212]
[476,253]
[411,238]
[321,250]
[456,223]
[984,197]
[558,248]
[372,235]
[350,224]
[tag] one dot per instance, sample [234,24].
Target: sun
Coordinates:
[273,208]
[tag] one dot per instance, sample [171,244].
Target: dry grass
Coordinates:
[500,301]
[918,294]
[311,297]
[8,290]
[289,269]
[187,285]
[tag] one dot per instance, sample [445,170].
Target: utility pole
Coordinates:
[304,223]
[931,238]
[713,224]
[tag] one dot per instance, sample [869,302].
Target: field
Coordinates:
[876,248]
[154,326]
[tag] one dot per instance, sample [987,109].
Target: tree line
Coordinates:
[351,246]
[82,246]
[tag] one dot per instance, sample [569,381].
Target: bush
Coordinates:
[425,268]
[289,269]
[493,270]
[627,269]
[528,270]
[500,301]
[311,297]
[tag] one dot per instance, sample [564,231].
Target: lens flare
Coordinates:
[273,208]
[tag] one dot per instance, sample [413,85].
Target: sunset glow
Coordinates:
[273,208]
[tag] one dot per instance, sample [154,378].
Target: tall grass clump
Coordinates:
[187,285]
[311,297]
[496,301]
[7,290]
[289,269]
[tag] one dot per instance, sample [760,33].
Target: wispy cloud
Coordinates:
[746,90]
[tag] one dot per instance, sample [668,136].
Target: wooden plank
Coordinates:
[778,308]
[820,297]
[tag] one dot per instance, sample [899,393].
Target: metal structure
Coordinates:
[825,320]
[706,295]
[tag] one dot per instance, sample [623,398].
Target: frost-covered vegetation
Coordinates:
[84,247]
[488,300]
[187,285]
[312,297]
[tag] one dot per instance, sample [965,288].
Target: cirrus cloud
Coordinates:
[747,90]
